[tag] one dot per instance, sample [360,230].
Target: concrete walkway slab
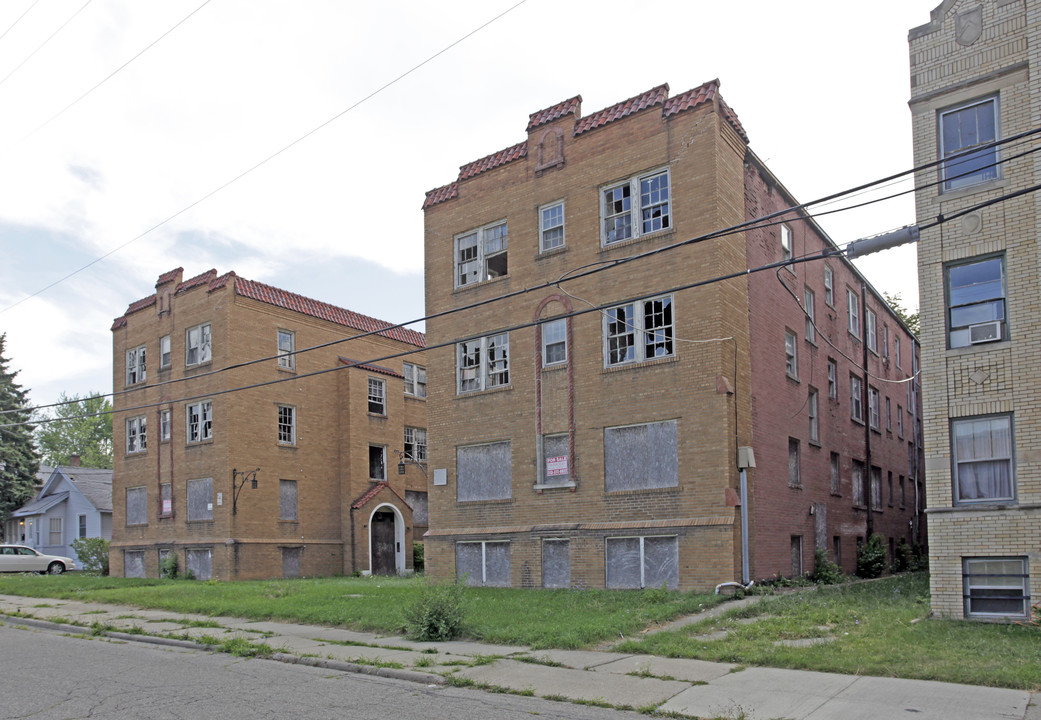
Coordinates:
[618,690]
[577,659]
[699,671]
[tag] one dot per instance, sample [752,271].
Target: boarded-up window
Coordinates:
[165,499]
[200,499]
[199,562]
[484,472]
[641,457]
[134,563]
[794,475]
[418,502]
[287,500]
[483,563]
[137,506]
[836,478]
[638,562]
[857,480]
[556,563]
[291,562]
[556,459]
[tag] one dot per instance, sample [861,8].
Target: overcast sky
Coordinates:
[89,164]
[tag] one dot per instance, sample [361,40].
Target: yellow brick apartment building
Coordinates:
[598,420]
[295,475]
[975,81]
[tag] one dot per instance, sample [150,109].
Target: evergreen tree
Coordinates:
[19,459]
[83,427]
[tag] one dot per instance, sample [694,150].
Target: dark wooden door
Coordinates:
[382,538]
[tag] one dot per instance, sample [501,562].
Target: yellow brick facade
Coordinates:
[254,535]
[970,51]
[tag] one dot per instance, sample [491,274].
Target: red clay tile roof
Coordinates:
[441,194]
[371,367]
[169,276]
[654,96]
[220,282]
[325,311]
[514,152]
[119,322]
[373,492]
[196,281]
[707,93]
[571,106]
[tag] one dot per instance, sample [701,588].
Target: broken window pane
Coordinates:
[199,562]
[484,472]
[641,457]
[134,564]
[556,563]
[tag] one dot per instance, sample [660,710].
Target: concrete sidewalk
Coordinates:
[692,688]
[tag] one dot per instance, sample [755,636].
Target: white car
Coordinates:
[19,558]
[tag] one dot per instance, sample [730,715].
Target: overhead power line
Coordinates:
[41,45]
[267,159]
[19,19]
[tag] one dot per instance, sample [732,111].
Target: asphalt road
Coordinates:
[45,675]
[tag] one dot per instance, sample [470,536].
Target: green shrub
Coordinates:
[93,554]
[825,572]
[168,566]
[871,558]
[903,557]
[418,557]
[438,613]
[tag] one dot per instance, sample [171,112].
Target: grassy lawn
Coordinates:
[874,628]
[539,618]
[878,628]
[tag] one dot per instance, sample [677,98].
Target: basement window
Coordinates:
[995,587]
[642,562]
[483,563]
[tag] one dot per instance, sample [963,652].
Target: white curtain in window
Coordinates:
[983,449]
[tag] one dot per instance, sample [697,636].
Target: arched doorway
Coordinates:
[386,537]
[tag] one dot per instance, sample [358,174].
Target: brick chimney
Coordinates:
[74,460]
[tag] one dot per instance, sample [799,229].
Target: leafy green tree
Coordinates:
[910,318]
[83,427]
[19,460]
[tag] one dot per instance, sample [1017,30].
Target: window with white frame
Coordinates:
[635,207]
[415,379]
[164,351]
[976,302]
[137,438]
[481,254]
[996,587]
[829,286]
[853,313]
[551,226]
[483,472]
[197,345]
[786,242]
[791,362]
[963,130]
[856,398]
[896,349]
[872,334]
[165,425]
[833,379]
[885,341]
[809,301]
[286,348]
[641,457]
[483,563]
[812,406]
[899,421]
[638,331]
[483,363]
[554,342]
[199,421]
[642,562]
[377,462]
[137,506]
[981,454]
[889,415]
[416,444]
[55,534]
[136,365]
[873,409]
[286,425]
[81,526]
[377,397]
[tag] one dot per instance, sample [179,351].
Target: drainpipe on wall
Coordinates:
[745,460]
[866,403]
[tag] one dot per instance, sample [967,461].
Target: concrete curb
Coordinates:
[396,673]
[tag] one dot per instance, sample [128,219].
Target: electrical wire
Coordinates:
[19,19]
[266,160]
[41,45]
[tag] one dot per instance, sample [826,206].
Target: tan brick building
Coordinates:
[976,79]
[590,412]
[322,429]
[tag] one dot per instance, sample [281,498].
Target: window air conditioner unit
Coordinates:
[984,332]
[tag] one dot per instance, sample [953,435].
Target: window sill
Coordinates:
[1002,344]
[282,521]
[551,252]
[287,370]
[641,363]
[135,454]
[377,416]
[983,185]
[417,398]
[793,378]
[480,283]
[988,506]
[136,525]
[199,522]
[494,501]
[814,443]
[287,446]
[569,485]
[199,443]
[198,366]
[554,367]
[478,393]
[636,491]
[856,421]
[657,234]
